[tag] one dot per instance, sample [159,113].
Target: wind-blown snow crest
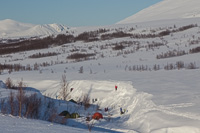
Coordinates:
[166,9]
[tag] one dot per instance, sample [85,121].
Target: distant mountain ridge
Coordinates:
[166,9]
[14,29]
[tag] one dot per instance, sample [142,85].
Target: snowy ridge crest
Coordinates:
[166,9]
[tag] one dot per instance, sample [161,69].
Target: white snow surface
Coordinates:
[166,9]
[11,124]
[162,101]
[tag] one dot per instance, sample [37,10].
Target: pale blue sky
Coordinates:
[71,12]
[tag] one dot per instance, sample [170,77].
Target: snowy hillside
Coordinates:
[13,29]
[154,64]
[166,9]
[142,114]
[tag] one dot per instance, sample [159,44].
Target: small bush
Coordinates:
[118,47]
[164,33]
[195,50]
[40,55]
[79,56]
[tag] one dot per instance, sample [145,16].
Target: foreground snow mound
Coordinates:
[141,113]
[166,9]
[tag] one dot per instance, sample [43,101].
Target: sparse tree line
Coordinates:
[175,53]
[79,56]
[170,54]
[169,66]
[12,67]
[35,44]
[41,43]
[41,55]
[18,67]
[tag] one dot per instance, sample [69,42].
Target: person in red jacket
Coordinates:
[115,87]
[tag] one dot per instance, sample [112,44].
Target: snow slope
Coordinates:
[166,9]
[13,29]
[158,101]
[11,124]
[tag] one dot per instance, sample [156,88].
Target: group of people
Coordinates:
[122,111]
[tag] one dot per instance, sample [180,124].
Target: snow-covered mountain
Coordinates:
[166,9]
[13,29]
[9,26]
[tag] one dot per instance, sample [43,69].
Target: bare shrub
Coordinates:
[20,97]
[3,107]
[63,121]
[9,83]
[86,101]
[118,47]
[64,87]
[32,106]
[195,50]
[50,111]
[192,66]
[164,33]
[90,125]
[180,64]
[53,115]
[11,102]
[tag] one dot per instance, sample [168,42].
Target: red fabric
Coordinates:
[97,116]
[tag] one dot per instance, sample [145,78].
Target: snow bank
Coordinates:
[142,114]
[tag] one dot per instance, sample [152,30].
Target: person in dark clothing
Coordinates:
[121,112]
[106,109]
